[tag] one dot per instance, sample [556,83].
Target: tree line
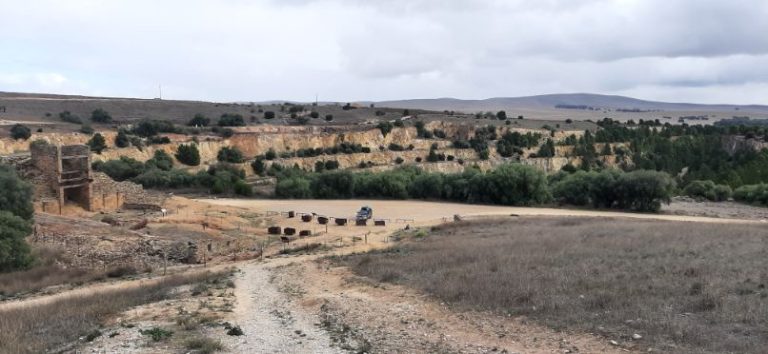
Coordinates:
[509,184]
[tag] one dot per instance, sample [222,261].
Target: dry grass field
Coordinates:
[56,325]
[675,287]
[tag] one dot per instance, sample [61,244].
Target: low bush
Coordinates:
[752,194]
[708,190]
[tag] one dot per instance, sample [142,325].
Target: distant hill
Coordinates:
[37,108]
[582,101]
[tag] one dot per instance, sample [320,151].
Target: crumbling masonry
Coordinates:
[62,175]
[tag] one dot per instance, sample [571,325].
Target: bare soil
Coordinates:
[432,212]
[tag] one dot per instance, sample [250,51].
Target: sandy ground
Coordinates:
[420,211]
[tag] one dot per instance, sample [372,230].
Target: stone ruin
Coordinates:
[62,176]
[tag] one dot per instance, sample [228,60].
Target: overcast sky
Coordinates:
[344,50]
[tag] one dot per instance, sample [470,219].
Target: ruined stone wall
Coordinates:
[109,194]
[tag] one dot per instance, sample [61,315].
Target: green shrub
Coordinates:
[259,167]
[752,194]
[122,169]
[86,129]
[20,132]
[156,333]
[293,187]
[270,155]
[15,193]
[385,127]
[230,154]
[707,190]
[231,120]
[68,117]
[97,143]
[188,155]
[161,160]
[16,213]
[199,120]
[122,140]
[242,188]
[151,127]
[100,116]
[14,251]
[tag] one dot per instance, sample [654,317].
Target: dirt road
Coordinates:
[269,320]
[421,211]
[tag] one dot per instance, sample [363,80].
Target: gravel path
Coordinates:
[272,323]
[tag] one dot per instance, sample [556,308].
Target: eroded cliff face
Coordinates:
[9,146]
[257,140]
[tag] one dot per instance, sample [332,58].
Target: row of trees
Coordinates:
[510,184]
[159,172]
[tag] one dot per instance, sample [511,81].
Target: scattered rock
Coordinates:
[637,336]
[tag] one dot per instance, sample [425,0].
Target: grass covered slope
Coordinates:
[683,287]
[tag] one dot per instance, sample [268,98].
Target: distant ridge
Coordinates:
[553,100]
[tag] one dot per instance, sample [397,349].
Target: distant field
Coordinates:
[683,287]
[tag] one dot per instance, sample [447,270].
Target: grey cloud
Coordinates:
[355,49]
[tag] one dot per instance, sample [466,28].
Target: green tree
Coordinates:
[15,194]
[16,214]
[501,115]
[644,190]
[606,150]
[231,120]
[20,132]
[333,185]
[97,143]
[547,150]
[269,115]
[100,116]
[122,140]
[188,155]
[513,184]
[385,127]
[293,187]
[199,120]
[230,154]
[259,167]
[14,251]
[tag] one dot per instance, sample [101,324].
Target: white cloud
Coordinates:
[355,49]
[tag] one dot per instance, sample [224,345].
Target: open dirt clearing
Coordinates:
[420,211]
